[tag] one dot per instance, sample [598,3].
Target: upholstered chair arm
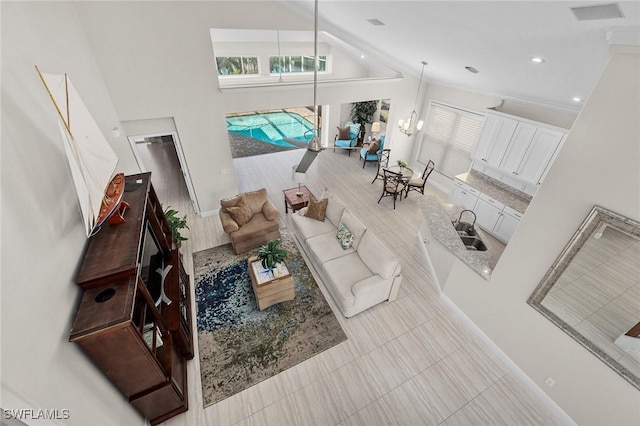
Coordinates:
[228,224]
[270,211]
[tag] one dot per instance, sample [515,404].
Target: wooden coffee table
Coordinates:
[269,290]
[294,201]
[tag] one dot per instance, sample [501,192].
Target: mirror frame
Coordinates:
[598,217]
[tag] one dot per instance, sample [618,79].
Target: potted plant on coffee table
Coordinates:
[271,255]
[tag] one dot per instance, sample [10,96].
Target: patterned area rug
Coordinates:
[239,345]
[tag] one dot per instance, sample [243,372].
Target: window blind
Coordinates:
[449,138]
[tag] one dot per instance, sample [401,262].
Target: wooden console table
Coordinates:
[134,318]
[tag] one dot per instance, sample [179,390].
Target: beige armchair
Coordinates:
[250,219]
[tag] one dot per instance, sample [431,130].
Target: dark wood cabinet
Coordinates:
[134,317]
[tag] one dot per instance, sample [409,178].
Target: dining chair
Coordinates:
[418,183]
[393,186]
[383,162]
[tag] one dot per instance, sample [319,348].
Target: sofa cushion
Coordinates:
[316,208]
[307,227]
[241,213]
[325,247]
[256,227]
[335,207]
[343,272]
[376,256]
[356,227]
[255,199]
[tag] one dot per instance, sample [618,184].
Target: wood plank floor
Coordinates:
[414,361]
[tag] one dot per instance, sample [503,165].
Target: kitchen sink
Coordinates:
[464,229]
[473,243]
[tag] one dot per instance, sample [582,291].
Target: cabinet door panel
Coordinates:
[538,155]
[494,139]
[505,227]
[521,140]
[486,214]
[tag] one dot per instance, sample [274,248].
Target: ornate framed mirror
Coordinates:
[592,290]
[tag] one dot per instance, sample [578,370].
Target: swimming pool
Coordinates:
[272,127]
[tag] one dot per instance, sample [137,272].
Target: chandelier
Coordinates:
[410,126]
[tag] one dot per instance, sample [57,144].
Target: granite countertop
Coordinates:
[495,189]
[438,217]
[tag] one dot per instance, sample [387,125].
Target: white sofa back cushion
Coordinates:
[376,256]
[356,227]
[335,207]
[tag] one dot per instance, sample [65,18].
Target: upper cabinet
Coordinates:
[517,150]
[494,139]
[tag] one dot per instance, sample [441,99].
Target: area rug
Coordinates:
[241,346]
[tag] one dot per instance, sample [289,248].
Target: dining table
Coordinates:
[406,172]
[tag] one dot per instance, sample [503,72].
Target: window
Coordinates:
[449,138]
[237,65]
[292,64]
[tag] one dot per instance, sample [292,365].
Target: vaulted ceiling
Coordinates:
[497,38]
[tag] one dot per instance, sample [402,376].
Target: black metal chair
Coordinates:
[383,162]
[418,183]
[393,186]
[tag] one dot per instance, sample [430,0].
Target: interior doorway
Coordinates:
[161,154]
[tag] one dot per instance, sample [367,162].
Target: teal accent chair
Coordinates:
[345,141]
[367,154]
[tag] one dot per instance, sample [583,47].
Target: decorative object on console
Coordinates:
[89,154]
[410,126]
[299,178]
[176,224]
[240,345]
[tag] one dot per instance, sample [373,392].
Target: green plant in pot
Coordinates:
[362,112]
[270,254]
[176,224]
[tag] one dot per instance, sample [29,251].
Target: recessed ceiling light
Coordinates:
[577,99]
[361,56]
[537,60]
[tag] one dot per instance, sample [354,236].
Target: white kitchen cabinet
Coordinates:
[463,195]
[487,212]
[494,139]
[518,146]
[496,218]
[506,224]
[541,150]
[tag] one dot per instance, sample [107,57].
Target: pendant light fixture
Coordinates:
[410,126]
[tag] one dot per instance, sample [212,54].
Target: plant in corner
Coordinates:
[362,112]
[176,223]
[270,254]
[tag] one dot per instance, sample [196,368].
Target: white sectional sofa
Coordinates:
[358,277]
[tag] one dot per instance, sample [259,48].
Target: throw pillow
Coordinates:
[241,213]
[373,148]
[343,133]
[316,208]
[345,237]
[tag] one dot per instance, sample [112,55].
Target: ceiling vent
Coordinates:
[600,11]
[375,22]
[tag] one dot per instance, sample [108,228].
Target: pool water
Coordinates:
[272,127]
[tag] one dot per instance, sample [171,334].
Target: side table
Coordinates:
[294,201]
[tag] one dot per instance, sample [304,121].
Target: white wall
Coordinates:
[43,236]
[599,164]
[170,72]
